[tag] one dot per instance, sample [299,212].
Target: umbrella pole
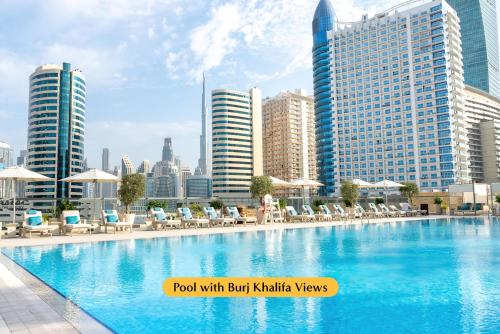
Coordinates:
[14,202]
[95,198]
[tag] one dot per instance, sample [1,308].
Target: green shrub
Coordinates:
[379,200]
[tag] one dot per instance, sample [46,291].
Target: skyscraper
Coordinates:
[21,159]
[105,159]
[289,138]
[203,161]
[237,141]
[478,23]
[144,167]
[56,131]
[127,166]
[389,97]
[167,154]
[323,22]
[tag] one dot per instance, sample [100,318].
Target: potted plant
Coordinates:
[350,194]
[132,189]
[438,201]
[196,210]
[445,209]
[218,205]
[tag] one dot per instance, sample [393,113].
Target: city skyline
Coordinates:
[253,52]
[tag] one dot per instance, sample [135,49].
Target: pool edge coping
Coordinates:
[83,322]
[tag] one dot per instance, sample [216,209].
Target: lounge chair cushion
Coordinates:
[233,212]
[160,216]
[156,209]
[32,212]
[112,218]
[72,220]
[308,209]
[35,221]
[211,213]
[292,211]
[108,212]
[186,213]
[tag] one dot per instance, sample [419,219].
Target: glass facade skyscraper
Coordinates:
[389,97]
[478,22]
[56,131]
[323,22]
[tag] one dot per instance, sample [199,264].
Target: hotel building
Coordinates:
[56,131]
[479,43]
[483,125]
[288,136]
[388,96]
[236,141]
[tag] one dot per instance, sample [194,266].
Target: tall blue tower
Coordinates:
[324,21]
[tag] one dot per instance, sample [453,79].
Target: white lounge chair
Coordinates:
[294,216]
[233,212]
[110,218]
[72,222]
[307,210]
[162,220]
[326,212]
[340,211]
[399,212]
[214,219]
[361,211]
[406,207]
[376,212]
[33,223]
[386,210]
[188,220]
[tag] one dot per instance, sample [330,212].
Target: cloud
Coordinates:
[102,67]
[14,73]
[278,30]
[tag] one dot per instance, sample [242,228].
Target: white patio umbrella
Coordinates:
[18,173]
[386,184]
[279,183]
[303,183]
[362,184]
[94,176]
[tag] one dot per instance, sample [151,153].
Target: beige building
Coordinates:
[483,121]
[236,141]
[289,137]
[127,166]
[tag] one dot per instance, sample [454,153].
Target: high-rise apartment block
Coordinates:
[198,186]
[236,141]
[167,153]
[479,30]
[483,122]
[144,167]
[388,96]
[56,131]
[105,159]
[127,166]
[289,139]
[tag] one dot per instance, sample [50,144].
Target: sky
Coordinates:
[143,61]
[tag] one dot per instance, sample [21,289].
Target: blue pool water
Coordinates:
[409,277]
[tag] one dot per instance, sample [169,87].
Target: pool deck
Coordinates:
[28,305]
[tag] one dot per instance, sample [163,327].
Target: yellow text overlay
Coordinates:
[250,287]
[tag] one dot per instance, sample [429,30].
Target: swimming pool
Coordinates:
[428,276]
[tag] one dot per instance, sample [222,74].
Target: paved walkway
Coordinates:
[136,234]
